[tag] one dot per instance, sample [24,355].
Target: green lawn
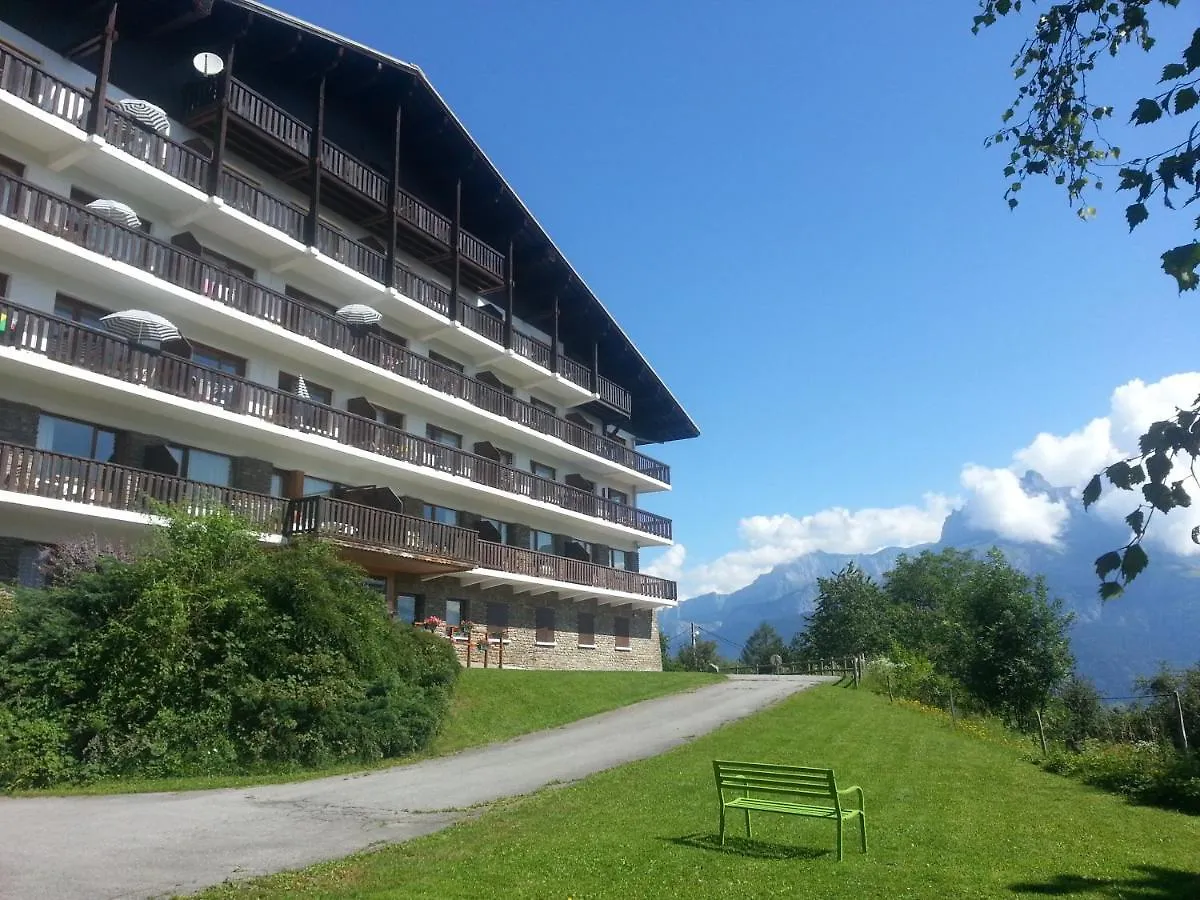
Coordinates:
[950,816]
[489,705]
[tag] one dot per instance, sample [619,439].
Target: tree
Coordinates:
[762,644]
[699,660]
[850,617]
[1055,129]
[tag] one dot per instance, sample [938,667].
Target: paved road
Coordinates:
[148,845]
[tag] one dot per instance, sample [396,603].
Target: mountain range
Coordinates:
[1156,621]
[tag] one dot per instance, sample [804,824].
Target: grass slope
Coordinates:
[489,705]
[950,815]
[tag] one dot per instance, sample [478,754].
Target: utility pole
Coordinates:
[695,662]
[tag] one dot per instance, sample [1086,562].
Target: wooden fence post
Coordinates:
[891,696]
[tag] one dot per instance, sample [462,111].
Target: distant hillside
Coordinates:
[1158,619]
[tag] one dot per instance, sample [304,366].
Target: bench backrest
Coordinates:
[767,781]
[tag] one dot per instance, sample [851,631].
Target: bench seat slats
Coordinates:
[795,809]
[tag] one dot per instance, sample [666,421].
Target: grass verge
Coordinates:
[950,815]
[489,705]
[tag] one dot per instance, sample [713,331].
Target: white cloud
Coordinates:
[994,499]
[771,540]
[997,502]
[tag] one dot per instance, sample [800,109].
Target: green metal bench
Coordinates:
[789,790]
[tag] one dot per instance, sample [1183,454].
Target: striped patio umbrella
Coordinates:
[117,211]
[302,388]
[146,113]
[141,326]
[359,315]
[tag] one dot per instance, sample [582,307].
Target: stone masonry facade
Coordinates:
[523,650]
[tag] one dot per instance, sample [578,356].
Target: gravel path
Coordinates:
[149,845]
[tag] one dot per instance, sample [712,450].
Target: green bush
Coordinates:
[1144,771]
[208,654]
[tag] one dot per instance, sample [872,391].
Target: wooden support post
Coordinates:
[500,651]
[1183,735]
[1041,730]
[509,286]
[95,118]
[555,346]
[221,135]
[595,367]
[468,649]
[316,141]
[393,200]
[455,255]
[891,696]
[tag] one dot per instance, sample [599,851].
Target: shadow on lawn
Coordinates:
[1154,883]
[750,848]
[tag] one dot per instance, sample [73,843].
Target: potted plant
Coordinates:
[431,623]
[464,629]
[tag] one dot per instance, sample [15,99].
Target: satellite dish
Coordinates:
[208,64]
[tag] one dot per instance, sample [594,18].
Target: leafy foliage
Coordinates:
[849,618]
[1054,129]
[211,654]
[764,642]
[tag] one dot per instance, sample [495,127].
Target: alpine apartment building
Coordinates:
[245,261]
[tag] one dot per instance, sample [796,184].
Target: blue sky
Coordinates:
[792,214]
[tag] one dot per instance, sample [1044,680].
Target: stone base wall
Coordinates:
[522,649]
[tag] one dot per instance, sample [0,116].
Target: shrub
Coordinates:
[1144,771]
[209,653]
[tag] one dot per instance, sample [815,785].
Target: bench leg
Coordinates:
[722,824]
[862,827]
[840,823]
[748,834]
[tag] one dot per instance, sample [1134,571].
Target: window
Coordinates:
[3,284]
[443,437]
[446,361]
[441,514]
[319,393]
[541,541]
[541,470]
[29,566]
[11,166]
[310,487]
[457,612]
[543,406]
[581,421]
[621,559]
[617,496]
[201,465]
[308,299]
[72,438]
[587,630]
[408,608]
[621,632]
[497,619]
[398,339]
[221,261]
[390,417]
[544,618]
[78,311]
[218,359]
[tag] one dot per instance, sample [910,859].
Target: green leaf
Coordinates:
[1159,496]
[1136,520]
[1191,56]
[1134,562]
[1181,263]
[1109,562]
[1136,214]
[1180,497]
[1120,475]
[1173,71]
[1091,493]
[1147,111]
[1003,6]
[1185,100]
[1110,590]
[1158,466]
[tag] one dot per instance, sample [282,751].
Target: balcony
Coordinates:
[374,536]
[51,214]
[439,548]
[519,561]
[28,331]
[279,142]
[190,169]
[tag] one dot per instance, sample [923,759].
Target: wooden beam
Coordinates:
[316,141]
[217,163]
[508,298]
[95,117]
[393,215]
[455,277]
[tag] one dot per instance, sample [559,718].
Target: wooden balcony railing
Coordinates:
[47,212]
[519,561]
[352,523]
[36,86]
[54,476]
[95,351]
[268,117]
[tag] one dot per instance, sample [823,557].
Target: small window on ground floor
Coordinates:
[545,625]
[587,630]
[497,619]
[621,632]
[408,608]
